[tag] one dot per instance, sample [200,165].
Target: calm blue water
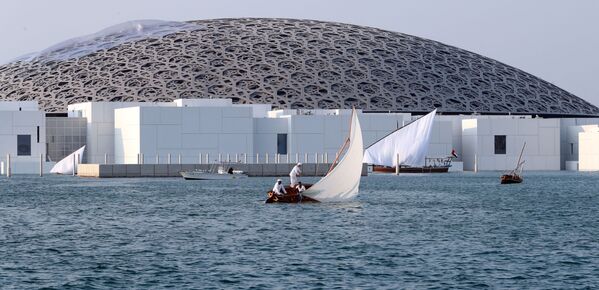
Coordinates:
[411,231]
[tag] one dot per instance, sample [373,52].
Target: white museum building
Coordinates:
[192,131]
[22,136]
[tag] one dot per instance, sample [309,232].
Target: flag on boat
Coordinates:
[410,142]
[454,153]
[66,165]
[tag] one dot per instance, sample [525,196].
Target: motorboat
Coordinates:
[219,174]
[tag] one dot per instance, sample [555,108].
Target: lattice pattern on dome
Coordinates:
[291,64]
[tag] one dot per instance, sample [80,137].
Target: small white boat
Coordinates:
[220,174]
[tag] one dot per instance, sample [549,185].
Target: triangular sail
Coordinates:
[343,181]
[66,166]
[410,142]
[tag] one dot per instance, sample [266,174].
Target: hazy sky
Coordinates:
[555,40]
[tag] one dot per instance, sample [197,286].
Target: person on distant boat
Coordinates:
[300,187]
[295,173]
[279,189]
[454,154]
[230,171]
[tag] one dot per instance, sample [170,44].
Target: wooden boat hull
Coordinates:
[511,179]
[292,196]
[514,176]
[386,169]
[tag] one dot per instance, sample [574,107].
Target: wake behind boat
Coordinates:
[220,174]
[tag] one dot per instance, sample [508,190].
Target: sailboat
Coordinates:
[342,182]
[67,164]
[515,176]
[406,148]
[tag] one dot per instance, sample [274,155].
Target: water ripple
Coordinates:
[409,231]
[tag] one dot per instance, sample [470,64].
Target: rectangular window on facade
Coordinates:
[38,134]
[500,144]
[23,145]
[282,144]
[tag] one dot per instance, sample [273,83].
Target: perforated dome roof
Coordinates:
[285,62]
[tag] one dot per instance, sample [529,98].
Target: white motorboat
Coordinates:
[220,174]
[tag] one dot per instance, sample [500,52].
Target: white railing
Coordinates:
[217,158]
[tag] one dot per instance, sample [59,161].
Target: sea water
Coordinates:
[410,231]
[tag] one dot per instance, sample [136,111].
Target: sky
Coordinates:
[557,41]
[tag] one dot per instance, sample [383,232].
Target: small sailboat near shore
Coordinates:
[342,182]
[404,150]
[515,175]
[68,165]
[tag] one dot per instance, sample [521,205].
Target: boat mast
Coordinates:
[520,158]
[344,143]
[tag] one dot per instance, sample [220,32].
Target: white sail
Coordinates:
[410,141]
[343,181]
[65,166]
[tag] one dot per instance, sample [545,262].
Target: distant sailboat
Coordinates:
[342,182]
[67,164]
[410,142]
[515,176]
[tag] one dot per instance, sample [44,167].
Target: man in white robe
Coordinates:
[279,189]
[295,173]
[300,187]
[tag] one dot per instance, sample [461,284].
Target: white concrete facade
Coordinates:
[22,119]
[236,131]
[542,137]
[570,128]
[588,154]
[123,131]
[181,131]
[100,126]
[212,126]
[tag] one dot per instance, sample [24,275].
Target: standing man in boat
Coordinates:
[294,175]
[279,189]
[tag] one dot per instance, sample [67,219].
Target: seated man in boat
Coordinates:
[300,187]
[230,171]
[279,189]
[295,173]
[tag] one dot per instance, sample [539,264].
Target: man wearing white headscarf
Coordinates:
[279,189]
[295,173]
